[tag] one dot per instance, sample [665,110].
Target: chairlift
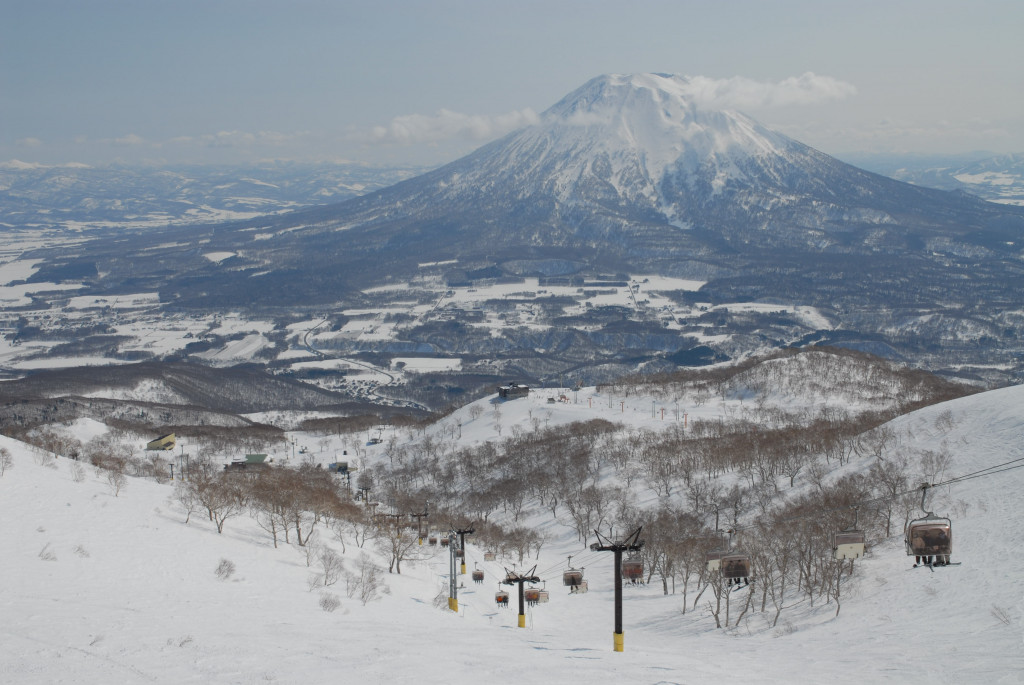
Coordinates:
[543,596]
[478,575]
[432,540]
[532,596]
[444,542]
[929,538]
[735,568]
[490,556]
[849,543]
[501,598]
[572,578]
[633,570]
[460,553]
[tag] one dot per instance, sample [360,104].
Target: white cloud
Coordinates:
[447,125]
[241,138]
[741,92]
[130,139]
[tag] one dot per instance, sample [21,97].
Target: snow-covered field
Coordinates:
[99,588]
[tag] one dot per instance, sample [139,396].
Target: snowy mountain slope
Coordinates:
[130,594]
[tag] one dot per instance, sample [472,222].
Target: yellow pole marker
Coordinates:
[619,646]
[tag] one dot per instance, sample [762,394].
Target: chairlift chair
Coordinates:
[501,598]
[848,544]
[490,556]
[633,570]
[432,540]
[573,577]
[532,595]
[478,575]
[930,539]
[735,567]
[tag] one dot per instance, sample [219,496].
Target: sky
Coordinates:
[424,82]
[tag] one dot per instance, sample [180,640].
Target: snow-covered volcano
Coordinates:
[633,169]
[642,140]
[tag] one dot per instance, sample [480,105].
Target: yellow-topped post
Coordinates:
[631,543]
[453,585]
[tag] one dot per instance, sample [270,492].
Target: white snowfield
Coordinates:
[98,588]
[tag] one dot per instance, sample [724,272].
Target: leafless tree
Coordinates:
[115,477]
[218,495]
[331,566]
[365,583]
[891,479]
[187,497]
[875,441]
[396,540]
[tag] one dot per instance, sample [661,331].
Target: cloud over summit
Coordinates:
[740,92]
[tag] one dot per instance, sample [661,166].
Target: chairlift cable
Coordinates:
[979,475]
[982,472]
[885,498]
[582,560]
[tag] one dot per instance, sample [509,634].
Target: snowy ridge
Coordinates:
[104,588]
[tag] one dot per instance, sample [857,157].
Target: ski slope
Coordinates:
[98,588]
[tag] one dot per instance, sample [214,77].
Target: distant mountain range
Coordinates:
[996,179]
[625,175]
[80,196]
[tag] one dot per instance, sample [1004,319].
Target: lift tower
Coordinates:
[420,529]
[462,533]
[631,543]
[515,578]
